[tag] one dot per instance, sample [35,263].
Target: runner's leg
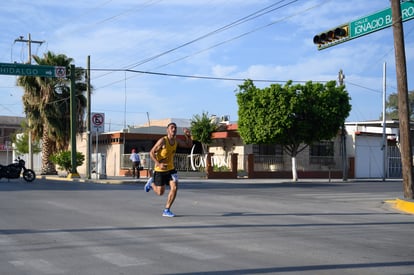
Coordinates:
[171,194]
[158,185]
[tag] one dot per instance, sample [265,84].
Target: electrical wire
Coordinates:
[242,35]
[232,39]
[145,5]
[247,18]
[202,77]
[237,22]
[366,88]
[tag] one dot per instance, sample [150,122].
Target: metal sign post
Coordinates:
[98,126]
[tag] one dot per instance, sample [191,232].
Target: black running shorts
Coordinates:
[163,178]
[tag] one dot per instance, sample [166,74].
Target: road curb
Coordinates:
[402,205]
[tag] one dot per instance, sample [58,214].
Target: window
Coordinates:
[322,153]
[274,150]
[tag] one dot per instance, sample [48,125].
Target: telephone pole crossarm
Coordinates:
[29,42]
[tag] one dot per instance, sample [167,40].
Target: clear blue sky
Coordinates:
[239,39]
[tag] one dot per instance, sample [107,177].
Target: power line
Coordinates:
[145,5]
[244,19]
[241,35]
[370,89]
[249,17]
[229,40]
[202,77]
[229,78]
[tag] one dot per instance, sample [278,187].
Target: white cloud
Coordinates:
[162,36]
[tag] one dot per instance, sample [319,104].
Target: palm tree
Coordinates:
[47,106]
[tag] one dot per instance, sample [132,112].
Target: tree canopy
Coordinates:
[291,115]
[392,105]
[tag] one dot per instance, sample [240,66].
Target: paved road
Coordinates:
[222,227]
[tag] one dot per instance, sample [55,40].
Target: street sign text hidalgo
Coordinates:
[379,20]
[32,70]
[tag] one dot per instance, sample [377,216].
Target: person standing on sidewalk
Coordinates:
[162,153]
[136,163]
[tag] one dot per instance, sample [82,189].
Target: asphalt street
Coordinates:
[222,227]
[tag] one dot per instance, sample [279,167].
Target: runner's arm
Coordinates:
[153,153]
[188,142]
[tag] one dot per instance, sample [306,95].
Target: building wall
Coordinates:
[113,159]
[111,151]
[221,148]
[117,147]
[9,125]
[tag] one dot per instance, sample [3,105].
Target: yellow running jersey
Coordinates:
[166,155]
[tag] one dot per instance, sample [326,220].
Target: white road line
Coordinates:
[37,265]
[190,252]
[121,260]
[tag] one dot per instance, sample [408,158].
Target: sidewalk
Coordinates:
[107,180]
[115,179]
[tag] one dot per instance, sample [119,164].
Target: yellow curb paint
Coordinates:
[73,175]
[405,206]
[402,205]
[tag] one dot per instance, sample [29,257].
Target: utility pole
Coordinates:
[88,118]
[341,78]
[29,42]
[403,103]
[384,122]
[73,123]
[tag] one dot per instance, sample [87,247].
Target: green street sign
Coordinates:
[32,70]
[379,20]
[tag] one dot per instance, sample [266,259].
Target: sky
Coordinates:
[158,59]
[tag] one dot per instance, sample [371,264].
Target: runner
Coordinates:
[164,171]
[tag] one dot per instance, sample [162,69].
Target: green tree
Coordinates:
[21,142]
[294,116]
[202,127]
[392,106]
[47,106]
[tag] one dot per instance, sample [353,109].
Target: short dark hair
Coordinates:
[171,123]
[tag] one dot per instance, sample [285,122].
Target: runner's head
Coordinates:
[171,129]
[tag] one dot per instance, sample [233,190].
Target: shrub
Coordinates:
[64,160]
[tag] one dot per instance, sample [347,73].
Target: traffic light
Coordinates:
[331,37]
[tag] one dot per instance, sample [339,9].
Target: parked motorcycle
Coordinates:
[14,170]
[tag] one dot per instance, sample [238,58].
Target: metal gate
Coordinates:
[369,158]
[394,162]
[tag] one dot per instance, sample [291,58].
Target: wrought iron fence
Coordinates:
[394,162]
[303,163]
[197,162]
[182,162]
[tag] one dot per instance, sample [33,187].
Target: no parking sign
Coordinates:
[98,122]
